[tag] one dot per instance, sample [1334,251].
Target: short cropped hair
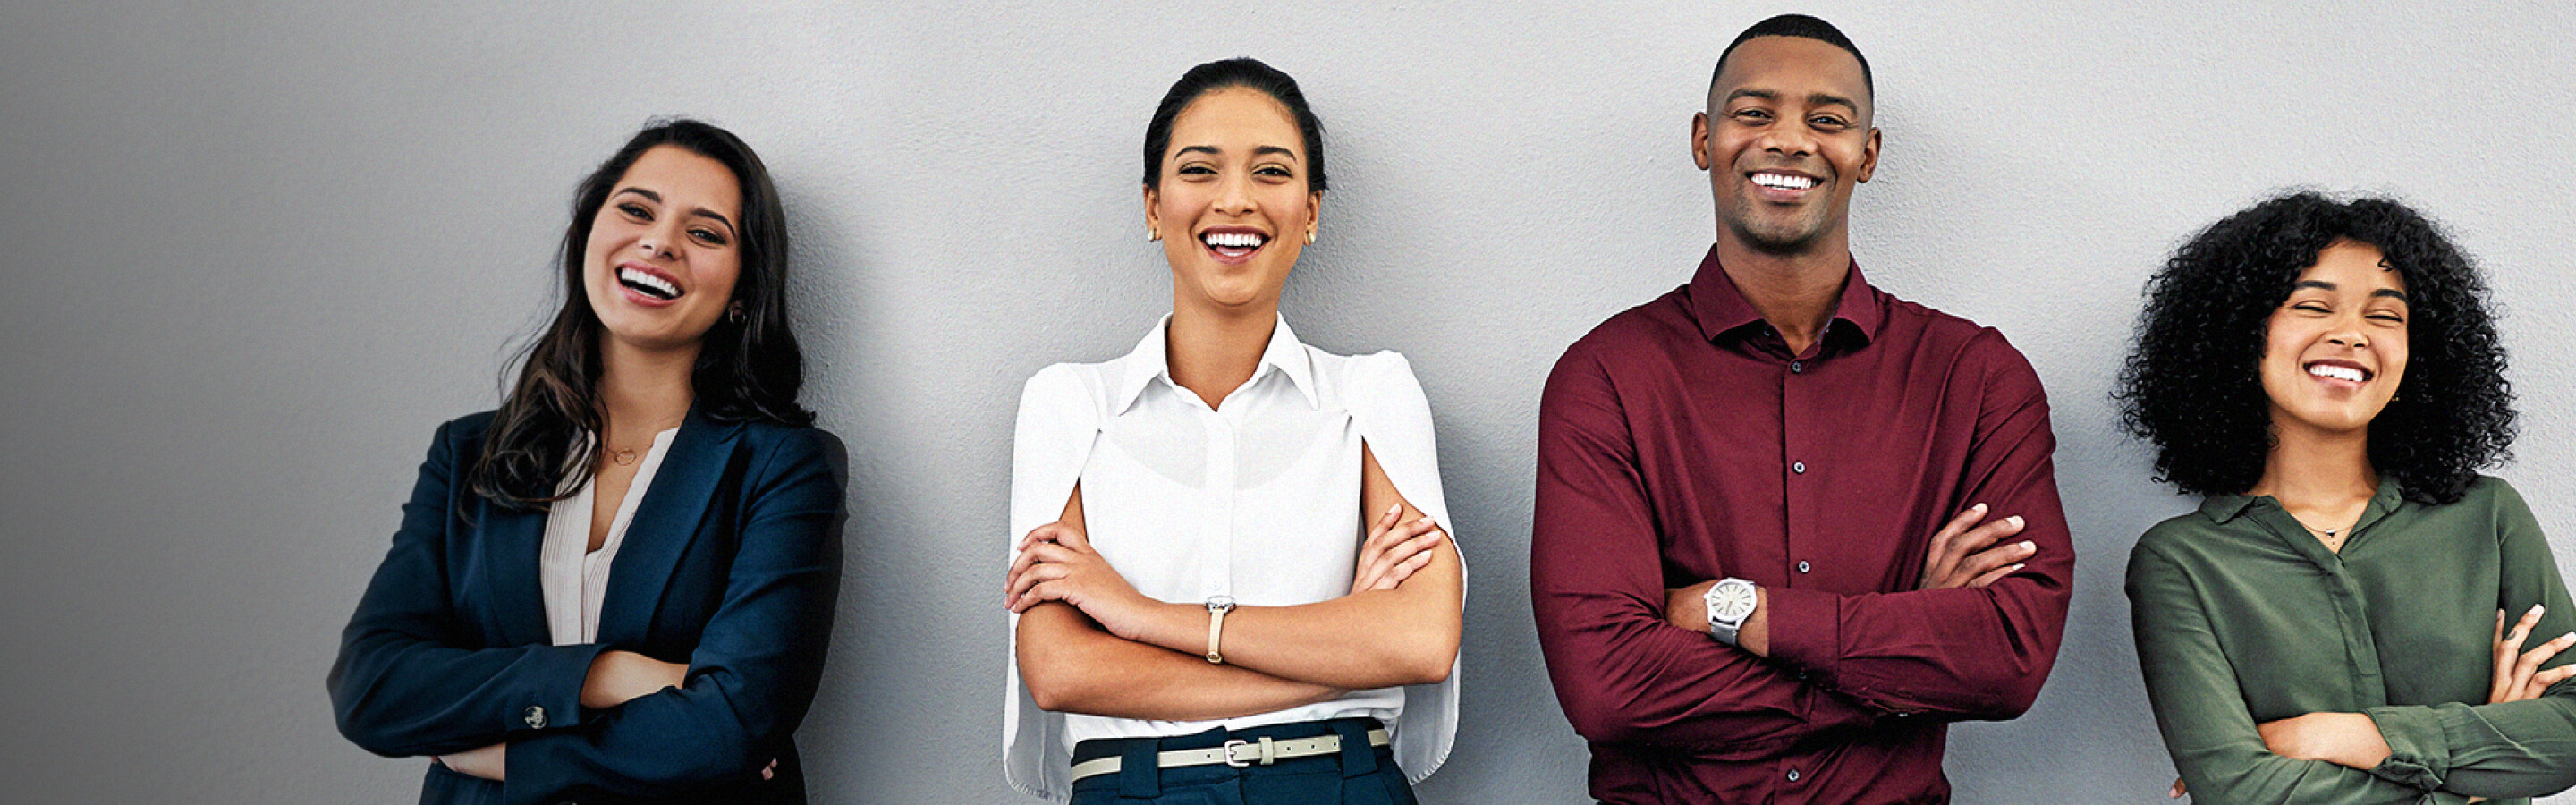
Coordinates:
[1802,27]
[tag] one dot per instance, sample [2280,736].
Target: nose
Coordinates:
[656,241]
[1788,137]
[2348,334]
[1234,195]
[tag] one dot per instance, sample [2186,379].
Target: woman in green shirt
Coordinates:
[2330,626]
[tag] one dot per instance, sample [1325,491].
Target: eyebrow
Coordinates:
[1211,150]
[1813,98]
[2322,285]
[701,211]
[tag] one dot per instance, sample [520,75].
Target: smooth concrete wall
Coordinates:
[256,251]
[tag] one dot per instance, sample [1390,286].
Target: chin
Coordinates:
[1778,240]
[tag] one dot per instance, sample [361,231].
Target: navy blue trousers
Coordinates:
[1358,775]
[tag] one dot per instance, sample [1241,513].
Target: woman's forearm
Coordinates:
[1071,666]
[1369,639]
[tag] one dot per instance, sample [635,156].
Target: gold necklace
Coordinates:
[2329,535]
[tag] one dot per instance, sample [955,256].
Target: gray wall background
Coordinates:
[257,250]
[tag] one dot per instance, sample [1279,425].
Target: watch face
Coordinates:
[1220,603]
[1730,602]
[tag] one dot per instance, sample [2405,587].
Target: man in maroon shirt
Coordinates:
[1789,526]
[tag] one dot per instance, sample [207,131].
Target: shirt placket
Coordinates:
[2352,616]
[1798,491]
[1799,472]
[2359,646]
[1216,530]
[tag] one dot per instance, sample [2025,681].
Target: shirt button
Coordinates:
[1799,467]
[1802,565]
[1793,775]
[535,717]
[1797,367]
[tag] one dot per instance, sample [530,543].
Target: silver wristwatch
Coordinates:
[1730,603]
[1217,607]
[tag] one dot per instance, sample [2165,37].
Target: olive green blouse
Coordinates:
[2243,617]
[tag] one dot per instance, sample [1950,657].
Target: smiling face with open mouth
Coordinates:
[663,254]
[1234,208]
[1785,138]
[2335,350]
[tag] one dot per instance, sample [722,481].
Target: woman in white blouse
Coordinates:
[617,586]
[1229,582]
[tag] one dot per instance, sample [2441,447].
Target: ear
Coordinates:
[1153,222]
[1314,210]
[1699,139]
[1869,156]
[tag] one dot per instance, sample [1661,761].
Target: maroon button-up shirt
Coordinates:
[1680,442]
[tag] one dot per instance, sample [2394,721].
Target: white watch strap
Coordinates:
[1216,627]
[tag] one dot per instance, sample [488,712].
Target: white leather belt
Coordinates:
[1236,753]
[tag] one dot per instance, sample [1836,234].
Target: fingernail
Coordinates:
[2027,545]
[2015,520]
[1979,508]
[1395,509]
[2016,568]
[2536,609]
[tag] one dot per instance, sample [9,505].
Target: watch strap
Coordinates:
[1216,629]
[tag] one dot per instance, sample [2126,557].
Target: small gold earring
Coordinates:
[1310,236]
[1152,234]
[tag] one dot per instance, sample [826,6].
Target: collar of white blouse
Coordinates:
[1151,362]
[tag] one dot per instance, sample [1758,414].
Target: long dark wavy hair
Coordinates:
[541,442]
[2192,389]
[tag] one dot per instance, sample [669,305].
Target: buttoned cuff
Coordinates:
[2419,748]
[551,697]
[1806,630]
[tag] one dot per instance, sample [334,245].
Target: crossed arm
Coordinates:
[414,679]
[1089,643]
[1968,552]
[1631,658]
[2516,744]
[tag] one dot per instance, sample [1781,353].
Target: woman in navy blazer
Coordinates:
[670,373]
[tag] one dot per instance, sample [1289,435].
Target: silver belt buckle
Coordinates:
[1230,759]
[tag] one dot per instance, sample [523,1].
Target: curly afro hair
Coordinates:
[2191,388]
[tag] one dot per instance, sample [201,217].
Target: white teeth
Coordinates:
[1235,240]
[1783,181]
[648,281]
[2346,373]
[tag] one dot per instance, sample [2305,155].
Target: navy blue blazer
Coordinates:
[731,565]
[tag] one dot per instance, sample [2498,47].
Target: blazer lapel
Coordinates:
[511,541]
[666,521]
